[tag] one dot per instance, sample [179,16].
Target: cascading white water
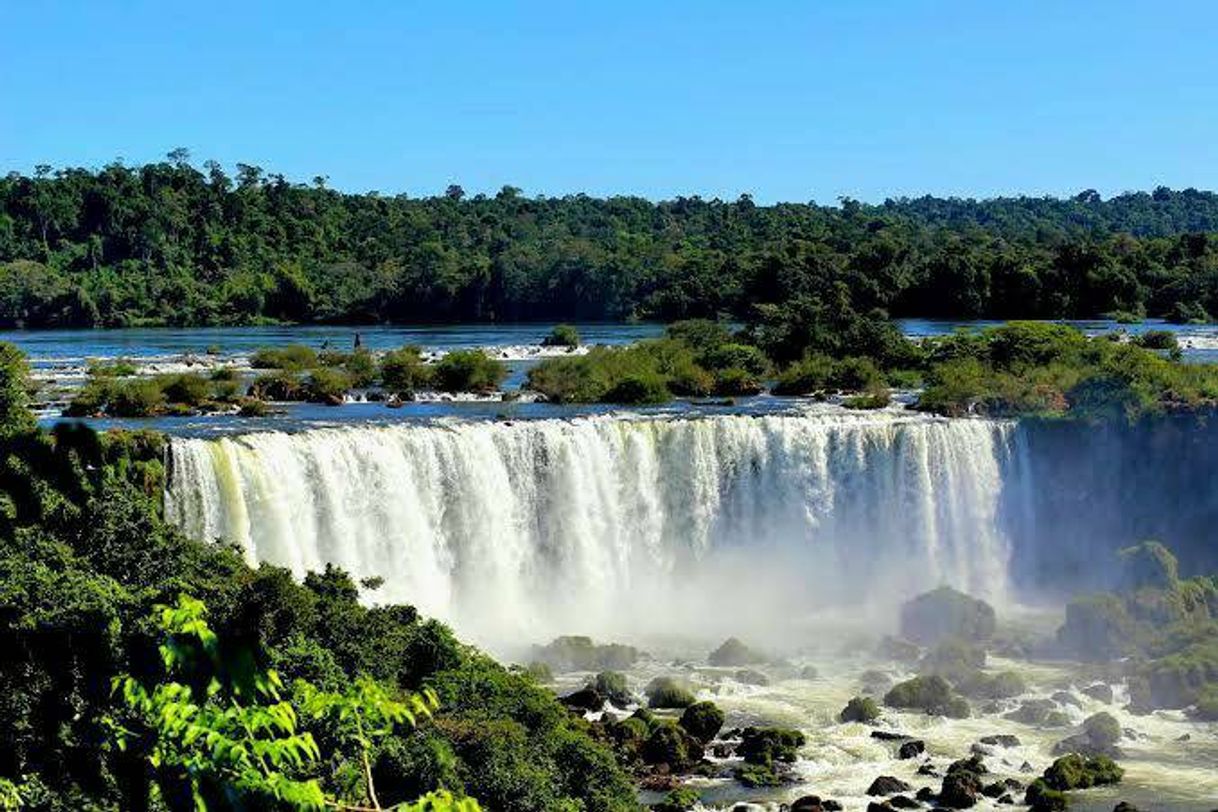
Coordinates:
[601,525]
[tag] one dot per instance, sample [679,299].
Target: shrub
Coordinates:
[119,368]
[403,370]
[278,386]
[361,368]
[666,692]
[188,388]
[1158,340]
[736,382]
[563,335]
[855,375]
[469,371]
[700,335]
[805,377]
[638,388]
[860,709]
[326,385]
[736,356]
[757,775]
[136,398]
[293,357]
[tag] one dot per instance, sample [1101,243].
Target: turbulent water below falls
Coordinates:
[513,531]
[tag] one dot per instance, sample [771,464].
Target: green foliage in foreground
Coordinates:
[85,556]
[221,731]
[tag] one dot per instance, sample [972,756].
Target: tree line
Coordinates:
[169,243]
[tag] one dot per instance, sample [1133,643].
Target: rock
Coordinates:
[926,795]
[831,805]
[667,692]
[1006,800]
[669,744]
[808,803]
[1187,737]
[1056,719]
[860,709]
[612,685]
[765,745]
[943,613]
[588,699]
[875,682]
[962,783]
[1066,698]
[931,694]
[981,749]
[903,802]
[1041,797]
[681,799]
[578,653]
[954,659]
[749,677]
[1032,711]
[883,806]
[1100,692]
[1027,767]
[732,654]
[808,672]
[702,720]
[1100,734]
[994,790]
[911,749]
[887,785]
[1078,772]
[928,769]
[889,736]
[1001,740]
[900,650]
[1125,807]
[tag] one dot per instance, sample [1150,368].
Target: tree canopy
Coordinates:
[169,243]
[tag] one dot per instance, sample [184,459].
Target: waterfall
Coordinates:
[518,530]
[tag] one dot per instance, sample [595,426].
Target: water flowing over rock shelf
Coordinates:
[627,523]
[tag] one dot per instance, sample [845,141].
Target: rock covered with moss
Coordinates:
[702,720]
[860,709]
[732,653]
[669,692]
[580,653]
[947,613]
[931,694]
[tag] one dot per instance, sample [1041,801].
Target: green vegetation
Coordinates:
[579,653]
[468,371]
[860,709]
[563,335]
[403,370]
[1166,625]
[166,243]
[702,720]
[931,694]
[667,692]
[172,394]
[85,556]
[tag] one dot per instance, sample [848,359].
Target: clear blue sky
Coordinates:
[788,101]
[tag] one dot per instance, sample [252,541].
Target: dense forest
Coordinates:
[169,243]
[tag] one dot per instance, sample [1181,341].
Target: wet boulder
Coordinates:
[612,685]
[911,749]
[668,692]
[860,709]
[1099,737]
[732,653]
[887,785]
[585,699]
[1101,692]
[702,720]
[945,613]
